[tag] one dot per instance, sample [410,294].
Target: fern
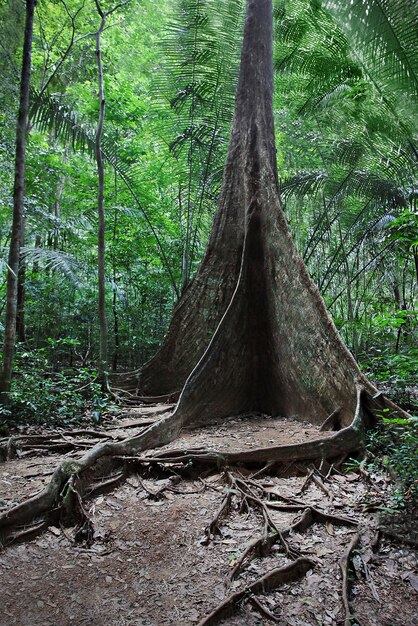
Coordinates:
[53,260]
[384,34]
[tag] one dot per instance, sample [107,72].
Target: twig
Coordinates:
[344,565]
[321,485]
[263,609]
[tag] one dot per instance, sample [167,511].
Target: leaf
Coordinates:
[96,416]
[323,551]
[413,579]
[310,601]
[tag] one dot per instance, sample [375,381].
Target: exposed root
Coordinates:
[268,582]
[136,399]
[106,485]
[61,441]
[28,533]
[51,497]
[213,527]
[262,546]
[394,536]
[345,565]
[164,431]
[262,609]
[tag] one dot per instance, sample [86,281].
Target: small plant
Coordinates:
[42,395]
[100,405]
[395,374]
[396,443]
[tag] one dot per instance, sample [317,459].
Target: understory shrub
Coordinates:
[395,374]
[43,394]
[394,446]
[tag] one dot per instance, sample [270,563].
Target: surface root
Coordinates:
[268,582]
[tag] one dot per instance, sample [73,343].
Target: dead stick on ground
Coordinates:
[321,485]
[264,470]
[262,609]
[271,580]
[345,565]
[306,482]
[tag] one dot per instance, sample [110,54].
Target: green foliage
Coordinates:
[396,443]
[396,374]
[383,33]
[42,395]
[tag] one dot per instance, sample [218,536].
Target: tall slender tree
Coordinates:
[100,197]
[18,207]
[252,331]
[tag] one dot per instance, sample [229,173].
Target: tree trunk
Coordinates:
[115,328]
[415,253]
[21,292]
[101,216]
[253,324]
[18,200]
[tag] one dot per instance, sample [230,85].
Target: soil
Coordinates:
[151,562]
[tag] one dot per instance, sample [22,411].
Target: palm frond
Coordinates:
[384,34]
[55,260]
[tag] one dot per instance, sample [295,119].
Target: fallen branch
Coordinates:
[344,565]
[268,582]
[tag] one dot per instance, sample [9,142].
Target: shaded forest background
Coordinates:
[345,103]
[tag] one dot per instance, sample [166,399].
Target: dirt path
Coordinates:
[151,564]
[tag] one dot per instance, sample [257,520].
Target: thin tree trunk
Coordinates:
[57,207]
[415,253]
[115,357]
[38,240]
[116,331]
[101,213]
[21,292]
[100,200]
[18,201]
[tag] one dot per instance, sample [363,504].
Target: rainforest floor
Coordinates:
[170,541]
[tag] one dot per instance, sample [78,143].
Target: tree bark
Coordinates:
[18,201]
[252,332]
[21,292]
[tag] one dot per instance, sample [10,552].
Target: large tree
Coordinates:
[252,331]
[274,347]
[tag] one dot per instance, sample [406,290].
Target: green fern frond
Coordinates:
[384,34]
[53,260]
